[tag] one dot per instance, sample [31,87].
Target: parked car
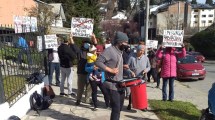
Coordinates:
[199,57]
[189,68]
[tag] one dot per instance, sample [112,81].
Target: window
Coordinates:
[203,10]
[203,22]
[150,23]
[210,15]
[195,16]
[195,10]
[203,15]
[195,22]
[210,21]
[171,15]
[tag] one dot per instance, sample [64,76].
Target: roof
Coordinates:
[58,10]
[201,6]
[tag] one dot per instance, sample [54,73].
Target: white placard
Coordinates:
[25,24]
[39,43]
[50,42]
[152,44]
[173,38]
[82,27]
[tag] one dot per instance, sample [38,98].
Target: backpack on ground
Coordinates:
[35,78]
[48,91]
[39,102]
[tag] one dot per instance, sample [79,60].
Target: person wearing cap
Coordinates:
[83,84]
[66,56]
[111,61]
[139,65]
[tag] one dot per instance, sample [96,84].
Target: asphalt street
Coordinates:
[203,86]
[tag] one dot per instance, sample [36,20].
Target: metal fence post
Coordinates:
[2,95]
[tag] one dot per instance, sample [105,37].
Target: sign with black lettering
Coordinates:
[173,38]
[152,44]
[82,27]
[50,42]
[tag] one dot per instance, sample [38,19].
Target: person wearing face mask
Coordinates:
[82,74]
[168,68]
[111,62]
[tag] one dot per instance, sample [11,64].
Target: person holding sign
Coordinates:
[168,56]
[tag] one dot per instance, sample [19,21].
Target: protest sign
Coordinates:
[152,44]
[50,42]
[25,24]
[82,27]
[173,38]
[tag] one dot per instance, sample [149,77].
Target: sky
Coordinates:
[202,1]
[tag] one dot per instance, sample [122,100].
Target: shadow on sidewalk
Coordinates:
[137,118]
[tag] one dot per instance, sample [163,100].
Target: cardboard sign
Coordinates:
[25,24]
[152,44]
[173,38]
[50,42]
[82,27]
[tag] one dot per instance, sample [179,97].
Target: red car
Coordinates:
[199,57]
[189,68]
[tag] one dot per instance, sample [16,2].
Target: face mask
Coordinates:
[86,45]
[122,47]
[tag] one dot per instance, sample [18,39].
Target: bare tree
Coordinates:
[173,21]
[45,16]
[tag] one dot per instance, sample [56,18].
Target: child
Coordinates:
[96,77]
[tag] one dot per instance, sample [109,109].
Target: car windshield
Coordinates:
[187,59]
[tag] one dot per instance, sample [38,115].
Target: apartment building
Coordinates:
[202,16]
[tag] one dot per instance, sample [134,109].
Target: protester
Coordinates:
[139,65]
[153,71]
[211,100]
[111,62]
[54,66]
[96,77]
[24,49]
[82,74]
[66,55]
[168,68]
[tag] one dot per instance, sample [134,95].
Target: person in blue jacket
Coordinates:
[211,99]
[96,78]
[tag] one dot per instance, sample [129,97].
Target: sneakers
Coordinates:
[95,109]
[63,94]
[129,107]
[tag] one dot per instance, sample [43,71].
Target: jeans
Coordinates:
[66,73]
[158,79]
[116,102]
[54,67]
[82,84]
[94,85]
[27,52]
[171,88]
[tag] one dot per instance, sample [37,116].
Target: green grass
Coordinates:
[12,86]
[176,110]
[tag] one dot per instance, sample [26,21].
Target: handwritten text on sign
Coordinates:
[152,44]
[173,38]
[50,42]
[82,27]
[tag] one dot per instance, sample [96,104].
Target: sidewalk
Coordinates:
[64,108]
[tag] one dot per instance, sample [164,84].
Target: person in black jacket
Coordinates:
[82,74]
[66,55]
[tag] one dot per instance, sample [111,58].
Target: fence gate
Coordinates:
[19,58]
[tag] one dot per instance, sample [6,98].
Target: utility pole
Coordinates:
[146,23]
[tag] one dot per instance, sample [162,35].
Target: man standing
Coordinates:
[66,55]
[111,61]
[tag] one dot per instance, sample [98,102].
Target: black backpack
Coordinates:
[35,78]
[39,102]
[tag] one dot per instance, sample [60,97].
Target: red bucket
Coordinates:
[139,96]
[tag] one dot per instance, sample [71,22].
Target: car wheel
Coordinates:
[201,78]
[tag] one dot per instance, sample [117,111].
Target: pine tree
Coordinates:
[209,2]
[193,2]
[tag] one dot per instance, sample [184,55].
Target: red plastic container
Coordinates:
[139,96]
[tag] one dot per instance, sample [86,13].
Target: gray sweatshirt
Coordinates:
[138,65]
[112,58]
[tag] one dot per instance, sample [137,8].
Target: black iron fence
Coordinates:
[17,63]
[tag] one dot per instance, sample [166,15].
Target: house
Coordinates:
[175,16]
[202,16]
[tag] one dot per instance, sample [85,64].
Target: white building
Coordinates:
[202,16]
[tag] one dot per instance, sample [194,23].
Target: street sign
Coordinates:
[173,38]
[82,27]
